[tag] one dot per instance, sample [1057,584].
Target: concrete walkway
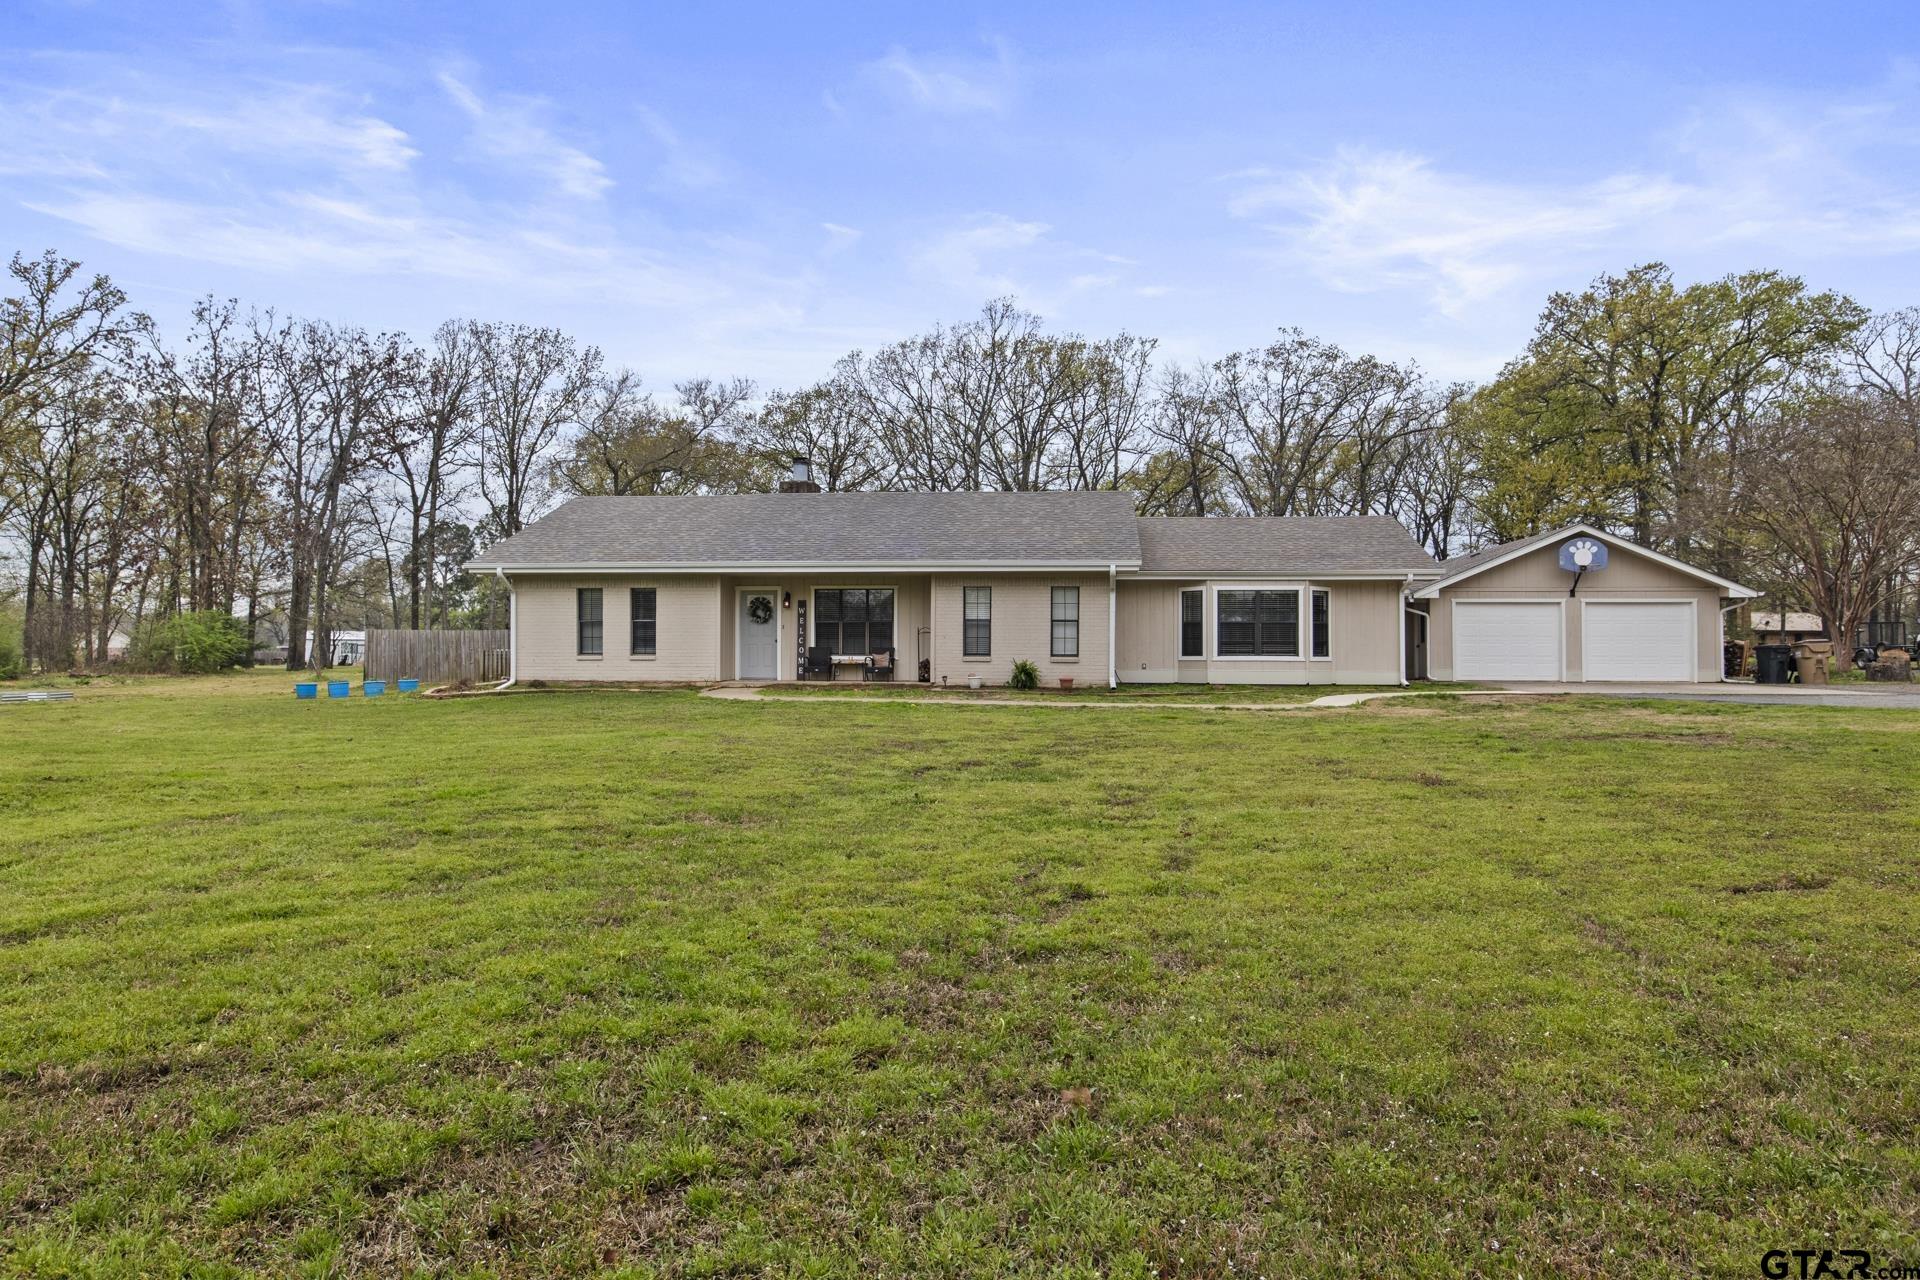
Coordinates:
[1890,696]
[764,693]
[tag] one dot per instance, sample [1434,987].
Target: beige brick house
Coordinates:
[954,587]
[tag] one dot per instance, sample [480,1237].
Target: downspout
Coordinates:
[513,630]
[1406,596]
[1725,610]
[1112,636]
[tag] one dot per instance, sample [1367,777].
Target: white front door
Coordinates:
[759,634]
[1638,640]
[1506,640]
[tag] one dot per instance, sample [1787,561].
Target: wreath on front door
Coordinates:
[760,609]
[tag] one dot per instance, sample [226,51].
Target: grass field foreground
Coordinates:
[659,985]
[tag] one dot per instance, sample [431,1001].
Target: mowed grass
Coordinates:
[649,984]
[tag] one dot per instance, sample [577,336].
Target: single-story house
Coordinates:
[349,648]
[960,585]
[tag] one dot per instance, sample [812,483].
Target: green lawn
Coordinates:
[656,984]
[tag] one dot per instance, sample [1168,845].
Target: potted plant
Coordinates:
[1066,684]
[1024,675]
[973,681]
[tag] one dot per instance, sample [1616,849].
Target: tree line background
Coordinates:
[301,476]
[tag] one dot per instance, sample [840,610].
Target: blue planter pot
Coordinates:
[339,689]
[409,686]
[373,688]
[308,690]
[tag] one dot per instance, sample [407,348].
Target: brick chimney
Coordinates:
[801,478]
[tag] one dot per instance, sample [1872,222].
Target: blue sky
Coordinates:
[742,189]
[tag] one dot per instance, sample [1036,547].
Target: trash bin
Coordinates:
[1810,665]
[1773,663]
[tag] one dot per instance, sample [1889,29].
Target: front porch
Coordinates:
[826,627]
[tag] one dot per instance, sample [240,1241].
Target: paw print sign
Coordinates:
[1583,555]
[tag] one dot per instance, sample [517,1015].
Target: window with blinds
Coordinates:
[1258,624]
[976,622]
[853,620]
[1066,622]
[645,617]
[1193,620]
[586,602]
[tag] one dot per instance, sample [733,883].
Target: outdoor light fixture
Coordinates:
[786,599]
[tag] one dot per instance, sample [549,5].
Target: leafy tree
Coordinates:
[1645,393]
[195,643]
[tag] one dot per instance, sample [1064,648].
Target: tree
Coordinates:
[48,330]
[824,424]
[1655,387]
[629,443]
[420,446]
[534,384]
[1302,425]
[1832,489]
[1184,426]
[211,452]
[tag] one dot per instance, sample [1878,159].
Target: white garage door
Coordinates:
[1506,640]
[1638,640]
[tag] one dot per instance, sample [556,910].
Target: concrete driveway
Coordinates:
[1904,697]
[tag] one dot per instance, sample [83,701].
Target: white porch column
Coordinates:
[1113,640]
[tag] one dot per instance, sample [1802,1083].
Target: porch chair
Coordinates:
[819,663]
[880,665]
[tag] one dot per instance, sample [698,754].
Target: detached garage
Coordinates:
[1576,604]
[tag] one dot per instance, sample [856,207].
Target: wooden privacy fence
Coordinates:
[437,657]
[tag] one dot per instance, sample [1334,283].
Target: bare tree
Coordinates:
[1833,491]
[629,443]
[534,384]
[826,425]
[420,445]
[212,457]
[1186,438]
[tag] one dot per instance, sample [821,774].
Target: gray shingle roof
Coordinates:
[1460,564]
[828,528]
[1295,546]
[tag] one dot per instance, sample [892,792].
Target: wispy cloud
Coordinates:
[510,128]
[973,258]
[948,84]
[1368,220]
[990,255]
[1781,175]
[70,132]
[682,164]
[839,238]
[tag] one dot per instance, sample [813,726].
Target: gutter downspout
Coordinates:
[513,631]
[1724,611]
[1406,594]
[1113,609]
